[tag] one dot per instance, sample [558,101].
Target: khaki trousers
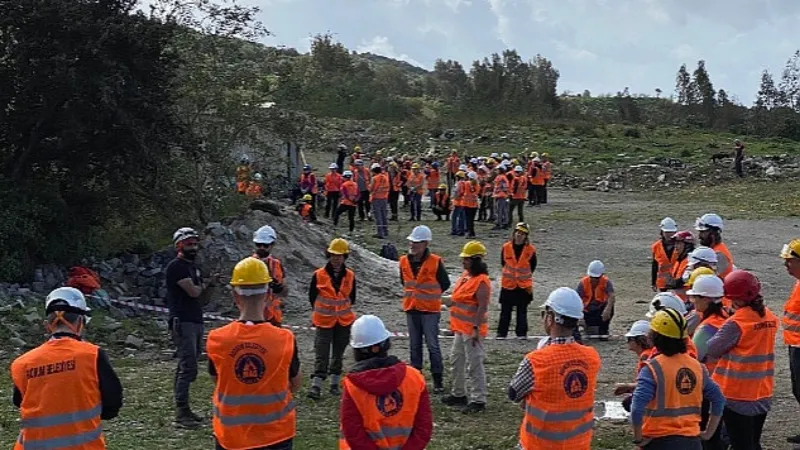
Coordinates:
[466,359]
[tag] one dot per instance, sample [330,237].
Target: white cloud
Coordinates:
[684,52]
[503,27]
[455,4]
[380,45]
[445,29]
[574,53]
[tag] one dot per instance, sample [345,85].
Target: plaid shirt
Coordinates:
[522,383]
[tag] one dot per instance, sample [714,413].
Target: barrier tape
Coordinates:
[127,301]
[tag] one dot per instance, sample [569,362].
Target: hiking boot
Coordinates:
[196,418]
[438,383]
[474,407]
[315,393]
[335,390]
[452,400]
[185,418]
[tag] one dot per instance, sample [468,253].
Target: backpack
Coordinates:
[389,251]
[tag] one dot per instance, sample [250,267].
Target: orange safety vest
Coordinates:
[272,310]
[333,182]
[517,272]
[537,179]
[397,182]
[664,262]
[488,187]
[691,349]
[333,307]
[453,163]
[254,190]
[715,321]
[746,372]
[519,188]
[305,211]
[423,292]
[547,168]
[500,186]
[61,401]
[675,411]
[433,179]
[470,198]
[309,178]
[416,182]
[464,306]
[559,412]
[722,248]
[379,187]
[349,193]
[597,294]
[253,404]
[458,197]
[440,199]
[643,358]
[358,174]
[791,317]
[678,268]
[388,419]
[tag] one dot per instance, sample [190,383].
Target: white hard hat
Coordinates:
[707,221]
[359,162]
[375,166]
[506,156]
[182,234]
[668,224]
[518,169]
[368,330]
[474,161]
[703,254]
[472,176]
[494,155]
[420,233]
[462,167]
[347,173]
[536,159]
[565,302]
[707,286]
[257,177]
[71,296]
[333,166]
[265,235]
[665,300]
[639,328]
[596,268]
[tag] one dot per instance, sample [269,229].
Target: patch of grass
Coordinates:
[600,218]
[749,199]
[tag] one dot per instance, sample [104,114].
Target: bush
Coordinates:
[632,132]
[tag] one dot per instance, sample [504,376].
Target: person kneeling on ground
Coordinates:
[597,293]
[441,203]
[639,343]
[382,393]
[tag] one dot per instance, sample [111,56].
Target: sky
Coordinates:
[599,45]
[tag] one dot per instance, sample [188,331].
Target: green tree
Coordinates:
[704,92]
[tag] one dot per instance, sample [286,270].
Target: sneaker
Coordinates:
[438,390]
[335,390]
[522,338]
[474,407]
[452,400]
[315,393]
[184,418]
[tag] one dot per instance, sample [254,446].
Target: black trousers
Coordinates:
[331,204]
[506,310]
[594,318]
[794,370]
[363,205]
[188,339]
[519,205]
[406,196]
[394,198]
[540,193]
[470,213]
[674,443]
[351,215]
[325,340]
[737,164]
[544,191]
[715,443]
[439,212]
[532,197]
[744,431]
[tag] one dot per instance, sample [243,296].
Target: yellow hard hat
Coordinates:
[472,249]
[515,161]
[415,166]
[307,198]
[522,226]
[442,186]
[393,164]
[460,173]
[357,148]
[250,272]
[339,246]
[697,272]
[379,153]
[545,154]
[791,250]
[534,154]
[491,161]
[670,323]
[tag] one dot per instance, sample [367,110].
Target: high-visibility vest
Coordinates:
[500,186]
[722,250]
[379,188]
[349,193]
[537,179]
[388,419]
[559,412]
[421,292]
[440,199]
[547,168]
[332,307]
[61,402]
[305,211]
[453,163]
[470,198]
[791,317]
[643,358]
[397,182]
[675,411]
[691,349]
[746,372]
[433,179]
[309,179]
[253,404]
[416,182]
[360,174]
[519,188]
[272,310]
[597,294]
[458,197]
[464,305]
[678,268]
[254,190]
[333,182]
[517,272]
[664,262]
[488,188]
[715,321]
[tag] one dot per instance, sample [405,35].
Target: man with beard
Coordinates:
[184,287]
[264,239]
[709,228]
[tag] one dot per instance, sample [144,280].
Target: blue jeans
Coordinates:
[459,221]
[416,206]
[427,325]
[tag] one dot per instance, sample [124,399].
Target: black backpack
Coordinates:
[389,251]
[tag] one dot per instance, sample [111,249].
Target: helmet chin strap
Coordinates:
[60,320]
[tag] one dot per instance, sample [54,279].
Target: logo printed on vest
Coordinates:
[686,381]
[576,383]
[389,405]
[249,368]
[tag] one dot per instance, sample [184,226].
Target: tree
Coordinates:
[683,86]
[767,94]
[704,91]
[658,92]
[789,87]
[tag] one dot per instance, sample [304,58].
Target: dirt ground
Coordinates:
[577,227]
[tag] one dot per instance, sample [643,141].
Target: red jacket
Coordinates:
[382,376]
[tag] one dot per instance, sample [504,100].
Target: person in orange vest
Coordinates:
[500,195]
[547,168]
[396,182]
[519,190]
[555,384]
[308,183]
[791,319]
[264,239]
[385,403]
[469,321]
[379,198]
[361,177]
[424,278]
[441,203]
[243,175]
[453,163]
[486,211]
[710,228]
[537,179]
[432,178]
[333,186]
[669,300]
[65,387]
[405,174]
[306,209]
[664,257]
[682,247]
[348,201]
[469,202]
[332,294]
[670,391]
[416,187]
[254,188]
[518,257]
[639,343]
[745,348]
[597,292]
[458,224]
[255,368]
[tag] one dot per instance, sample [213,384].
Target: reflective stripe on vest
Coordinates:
[331,307]
[791,317]
[520,187]
[500,186]
[598,294]
[464,304]
[349,193]
[470,197]
[423,292]
[664,262]
[517,272]
[676,408]
[62,442]
[380,187]
[333,182]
